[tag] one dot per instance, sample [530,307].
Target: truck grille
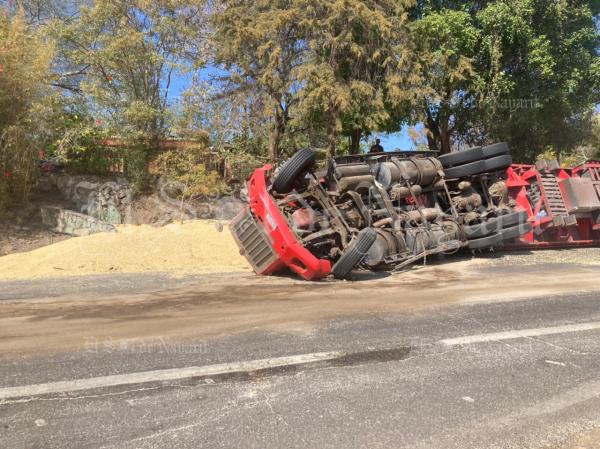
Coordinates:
[252,241]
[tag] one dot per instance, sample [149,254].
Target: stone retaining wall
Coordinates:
[73,223]
[108,200]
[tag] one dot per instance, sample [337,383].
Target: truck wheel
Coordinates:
[478,167]
[354,253]
[291,169]
[478,230]
[461,157]
[473,154]
[486,242]
[515,231]
[496,149]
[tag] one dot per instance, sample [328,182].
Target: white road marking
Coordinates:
[163,375]
[511,335]
[69,386]
[552,362]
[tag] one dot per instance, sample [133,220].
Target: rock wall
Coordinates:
[108,200]
[73,223]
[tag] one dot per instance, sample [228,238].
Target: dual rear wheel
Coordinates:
[497,230]
[475,161]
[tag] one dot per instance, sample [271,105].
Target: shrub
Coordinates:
[79,143]
[187,168]
[24,104]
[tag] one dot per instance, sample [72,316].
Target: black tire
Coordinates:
[462,171]
[515,231]
[473,155]
[461,157]
[496,149]
[486,242]
[479,167]
[354,253]
[513,219]
[291,169]
[479,230]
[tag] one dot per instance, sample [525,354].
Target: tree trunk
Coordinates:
[445,146]
[331,140]
[431,142]
[276,135]
[438,134]
[332,133]
[274,141]
[355,141]
[433,132]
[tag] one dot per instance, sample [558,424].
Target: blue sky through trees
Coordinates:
[390,142]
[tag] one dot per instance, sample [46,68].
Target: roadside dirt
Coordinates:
[590,440]
[231,304]
[23,229]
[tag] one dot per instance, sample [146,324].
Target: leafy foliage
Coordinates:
[78,142]
[126,53]
[545,52]
[186,167]
[353,73]
[448,44]
[522,71]
[25,104]
[260,44]
[595,139]
[286,74]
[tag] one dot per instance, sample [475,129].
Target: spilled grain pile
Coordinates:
[194,247]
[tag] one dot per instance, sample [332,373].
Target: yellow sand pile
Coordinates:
[192,247]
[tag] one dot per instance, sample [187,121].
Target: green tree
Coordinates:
[26,101]
[523,71]
[187,175]
[259,44]
[356,68]
[39,12]
[595,135]
[126,53]
[234,121]
[543,73]
[448,42]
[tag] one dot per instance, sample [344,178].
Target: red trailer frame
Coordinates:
[542,191]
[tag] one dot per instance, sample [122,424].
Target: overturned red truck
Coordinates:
[387,211]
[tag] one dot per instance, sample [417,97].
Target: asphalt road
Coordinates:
[406,363]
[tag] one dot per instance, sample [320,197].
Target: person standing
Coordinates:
[377,148]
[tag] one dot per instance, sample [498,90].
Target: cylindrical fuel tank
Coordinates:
[387,173]
[451,229]
[421,171]
[355,182]
[386,244]
[419,240]
[448,231]
[352,170]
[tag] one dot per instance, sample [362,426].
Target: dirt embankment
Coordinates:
[191,248]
